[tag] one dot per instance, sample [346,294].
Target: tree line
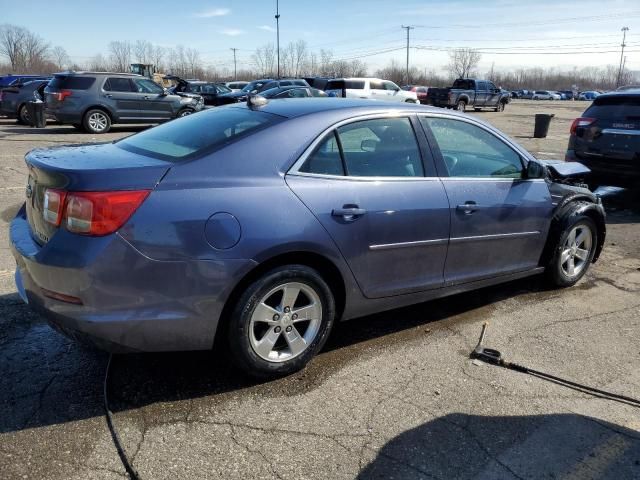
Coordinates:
[23,51]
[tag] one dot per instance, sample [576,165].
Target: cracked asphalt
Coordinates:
[392,395]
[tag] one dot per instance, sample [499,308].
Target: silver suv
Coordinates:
[369,88]
[93,101]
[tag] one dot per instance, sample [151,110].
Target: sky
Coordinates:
[510,34]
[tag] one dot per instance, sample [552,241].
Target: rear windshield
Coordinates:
[615,106]
[463,84]
[71,82]
[198,133]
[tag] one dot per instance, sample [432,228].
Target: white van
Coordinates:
[369,88]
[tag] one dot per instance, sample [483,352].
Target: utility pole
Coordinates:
[278,35]
[408,27]
[624,37]
[235,65]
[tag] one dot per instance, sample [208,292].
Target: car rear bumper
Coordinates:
[64,117]
[129,301]
[606,171]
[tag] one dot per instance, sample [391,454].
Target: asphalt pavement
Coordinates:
[392,395]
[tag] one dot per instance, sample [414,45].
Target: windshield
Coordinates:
[254,86]
[223,88]
[198,133]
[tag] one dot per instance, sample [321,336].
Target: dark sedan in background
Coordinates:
[263,224]
[292,92]
[14,99]
[606,138]
[214,94]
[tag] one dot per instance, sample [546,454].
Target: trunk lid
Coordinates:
[84,168]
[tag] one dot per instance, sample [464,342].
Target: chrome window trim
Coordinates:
[294,170]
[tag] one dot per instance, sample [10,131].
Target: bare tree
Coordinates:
[60,57]
[265,58]
[157,56]
[35,51]
[192,59]
[98,63]
[463,61]
[142,50]
[120,53]
[12,45]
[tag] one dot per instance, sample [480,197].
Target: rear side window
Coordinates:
[385,147]
[354,84]
[463,84]
[615,107]
[71,82]
[197,134]
[285,83]
[114,84]
[375,85]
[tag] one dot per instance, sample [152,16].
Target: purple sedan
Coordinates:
[265,224]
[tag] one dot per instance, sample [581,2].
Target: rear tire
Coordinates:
[184,112]
[266,337]
[500,107]
[96,121]
[573,252]
[23,115]
[461,106]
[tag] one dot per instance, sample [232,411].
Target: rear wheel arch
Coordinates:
[106,110]
[327,269]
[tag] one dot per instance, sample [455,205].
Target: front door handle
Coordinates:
[348,212]
[108,95]
[468,207]
[146,97]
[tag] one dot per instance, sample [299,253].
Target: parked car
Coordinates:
[467,92]
[421,92]
[292,92]
[236,86]
[213,94]
[373,88]
[252,87]
[606,138]
[93,101]
[282,219]
[567,94]
[526,94]
[14,99]
[6,80]
[544,95]
[589,95]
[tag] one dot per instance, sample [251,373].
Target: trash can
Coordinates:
[543,120]
[36,114]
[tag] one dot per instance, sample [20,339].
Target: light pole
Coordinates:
[408,27]
[624,37]
[235,65]
[278,35]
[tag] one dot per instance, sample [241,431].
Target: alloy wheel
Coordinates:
[285,322]
[98,121]
[576,251]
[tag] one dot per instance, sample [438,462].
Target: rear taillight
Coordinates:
[92,213]
[581,122]
[62,94]
[53,205]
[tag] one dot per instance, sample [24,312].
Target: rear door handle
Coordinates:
[348,212]
[108,95]
[146,97]
[468,207]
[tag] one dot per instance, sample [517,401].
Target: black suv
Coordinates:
[214,94]
[93,101]
[606,138]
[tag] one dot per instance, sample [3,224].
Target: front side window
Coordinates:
[391,86]
[325,159]
[144,85]
[471,151]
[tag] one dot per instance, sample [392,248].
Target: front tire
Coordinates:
[281,321]
[500,107]
[574,252]
[184,112]
[96,121]
[462,105]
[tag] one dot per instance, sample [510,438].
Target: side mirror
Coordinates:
[164,93]
[536,170]
[368,145]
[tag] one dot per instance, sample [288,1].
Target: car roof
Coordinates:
[84,72]
[620,93]
[351,106]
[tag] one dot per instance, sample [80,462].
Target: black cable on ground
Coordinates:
[114,434]
[494,357]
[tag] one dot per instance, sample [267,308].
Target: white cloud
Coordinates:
[214,12]
[267,28]
[232,32]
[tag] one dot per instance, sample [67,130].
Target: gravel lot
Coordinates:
[393,395]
